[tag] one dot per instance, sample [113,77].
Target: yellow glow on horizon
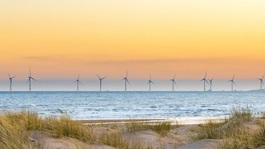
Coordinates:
[64,37]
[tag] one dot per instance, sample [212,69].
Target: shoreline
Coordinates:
[179,121]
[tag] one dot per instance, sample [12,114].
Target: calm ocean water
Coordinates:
[106,105]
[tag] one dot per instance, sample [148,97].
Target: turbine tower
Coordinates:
[211,83]
[150,82]
[173,82]
[126,81]
[29,79]
[261,82]
[11,81]
[204,81]
[100,82]
[77,83]
[232,83]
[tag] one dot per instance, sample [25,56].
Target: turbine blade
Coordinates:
[263,76]
[128,81]
[13,77]
[206,81]
[33,79]
[98,76]
[104,77]
[152,82]
[9,75]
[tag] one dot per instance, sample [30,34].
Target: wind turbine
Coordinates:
[261,82]
[173,82]
[150,82]
[77,83]
[29,79]
[204,81]
[126,81]
[232,83]
[211,83]
[11,81]
[100,82]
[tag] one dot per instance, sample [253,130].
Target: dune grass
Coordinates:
[259,137]
[162,128]
[245,139]
[14,128]
[243,114]
[240,138]
[65,127]
[11,137]
[115,139]
[226,129]
[232,132]
[209,130]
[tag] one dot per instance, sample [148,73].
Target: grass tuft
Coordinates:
[259,137]
[115,139]
[209,130]
[243,114]
[160,127]
[65,127]
[214,130]
[239,138]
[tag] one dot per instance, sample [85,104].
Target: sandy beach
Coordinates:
[237,131]
[25,129]
[177,137]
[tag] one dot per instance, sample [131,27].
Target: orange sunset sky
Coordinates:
[61,38]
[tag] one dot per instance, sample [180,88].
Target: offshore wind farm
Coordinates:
[207,84]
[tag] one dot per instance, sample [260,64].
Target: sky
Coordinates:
[60,39]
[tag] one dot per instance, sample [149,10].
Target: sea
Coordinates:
[132,104]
